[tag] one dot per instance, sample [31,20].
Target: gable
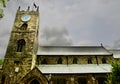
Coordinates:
[34,74]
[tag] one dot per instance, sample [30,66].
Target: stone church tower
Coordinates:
[21,52]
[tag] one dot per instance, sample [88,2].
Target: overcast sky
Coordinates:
[69,22]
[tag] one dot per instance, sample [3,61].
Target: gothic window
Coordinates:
[90,60]
[75,60]
[44,61]
[60,60]
[24,26]
[34,82]
[20,45]
[104,60]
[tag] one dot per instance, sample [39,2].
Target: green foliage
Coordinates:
[114,77]
[3,2]
[1,61]
[2,6]
[1,13]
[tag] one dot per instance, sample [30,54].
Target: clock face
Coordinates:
[25,18]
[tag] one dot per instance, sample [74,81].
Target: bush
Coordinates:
[114,76]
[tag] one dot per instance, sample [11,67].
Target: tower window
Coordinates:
[104,60]
[60,60]
[75,60]
[21,45]
[24,26]
[90,60]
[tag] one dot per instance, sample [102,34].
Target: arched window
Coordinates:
[90,60]
[75,60]
[60,60]
[34,82]
[44,61]
[24,26]
[104,60]
[21,45]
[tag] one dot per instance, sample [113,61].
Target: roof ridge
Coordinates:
[107,50]
[74,46]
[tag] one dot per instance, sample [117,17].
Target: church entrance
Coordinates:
[34,82]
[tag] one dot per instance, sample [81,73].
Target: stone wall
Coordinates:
[69,59]
[77,78]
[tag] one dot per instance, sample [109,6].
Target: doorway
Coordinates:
[34,82]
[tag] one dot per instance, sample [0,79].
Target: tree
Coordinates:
[2,6]
[114,76]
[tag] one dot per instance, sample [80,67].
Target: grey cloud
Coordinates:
[55,36]
[116,44]
[91,20]
[3,45]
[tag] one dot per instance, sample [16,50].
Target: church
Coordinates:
[26,62]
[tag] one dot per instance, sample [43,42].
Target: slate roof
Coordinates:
[116,53]
[75,68]
[73,50]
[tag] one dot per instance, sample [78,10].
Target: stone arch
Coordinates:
[35,75]
[35,81]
